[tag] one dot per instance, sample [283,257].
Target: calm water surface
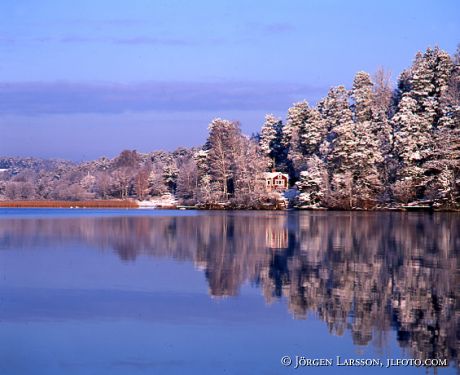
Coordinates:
[185,292]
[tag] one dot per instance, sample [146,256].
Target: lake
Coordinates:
[196,292]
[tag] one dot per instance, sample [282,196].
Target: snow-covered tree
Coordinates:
[312,133]
[354,150]
[382,92]
[233,163]
[271,139]
[250,164]
[141,182]
[313,184]
[221,147]
[355,158]
[420,121]
[187,181]
[413,139]
[429,80]
[156,182]
[335,108]
[382,109]
[363,97]
[295,118]
[308,130]
[446,166]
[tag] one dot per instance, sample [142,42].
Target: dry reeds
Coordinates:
[113,203]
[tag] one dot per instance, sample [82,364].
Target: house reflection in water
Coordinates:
[276,238]
[276,234]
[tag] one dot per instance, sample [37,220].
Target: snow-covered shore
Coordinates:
[165,201]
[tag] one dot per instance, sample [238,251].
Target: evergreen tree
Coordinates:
[354,154]
[419,120]
[336,111]
[313,184]
[295,117]
[335,108]
[446,187]
[312,133]
[271,140]
[363,97]
[306,139]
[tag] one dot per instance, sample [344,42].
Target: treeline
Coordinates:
[369,147]
[373,146]
[129,175]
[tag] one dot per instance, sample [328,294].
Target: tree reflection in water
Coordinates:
[364,272]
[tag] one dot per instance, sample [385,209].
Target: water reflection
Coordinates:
[364,273]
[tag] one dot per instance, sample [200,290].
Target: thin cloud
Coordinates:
[97,23]
[257,30]
[32,98]
[5,39]
[78,39]
[134,40]
[124,22]
[279,28]
[139,40]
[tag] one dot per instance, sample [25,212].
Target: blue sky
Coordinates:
[84,79]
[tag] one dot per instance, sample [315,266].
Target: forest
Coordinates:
[373,146]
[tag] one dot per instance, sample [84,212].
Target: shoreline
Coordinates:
[132,204]
[70,204]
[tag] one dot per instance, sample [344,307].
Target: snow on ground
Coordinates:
[164,201]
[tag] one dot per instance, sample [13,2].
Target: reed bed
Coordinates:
[113,203]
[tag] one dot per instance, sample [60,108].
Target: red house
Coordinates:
[276,181]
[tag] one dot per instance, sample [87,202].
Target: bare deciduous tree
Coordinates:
[187,181]
[141,182]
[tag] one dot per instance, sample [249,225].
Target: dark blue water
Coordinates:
[87,291]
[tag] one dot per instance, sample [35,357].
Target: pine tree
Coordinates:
[295,117]
[420,123]
[413,140]
[336,112]
[354,154]
[313,184]
[363,97]
[302,137]
[307,139]
[335,108]
[271,139]
[312,133]
[429,81]
[446,186]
